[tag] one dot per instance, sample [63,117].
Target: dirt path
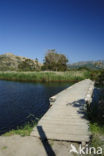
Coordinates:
[32,146]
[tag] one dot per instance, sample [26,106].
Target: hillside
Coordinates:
[9,61]
[88,64]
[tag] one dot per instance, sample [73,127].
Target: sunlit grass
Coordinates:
[97,135]
[96,128]
[45,76]
[24,130]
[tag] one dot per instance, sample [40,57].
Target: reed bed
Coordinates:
[45,76]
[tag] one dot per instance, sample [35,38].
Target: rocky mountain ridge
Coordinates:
[89,64]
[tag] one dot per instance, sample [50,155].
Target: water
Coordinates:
[19,102]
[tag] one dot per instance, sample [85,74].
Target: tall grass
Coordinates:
[45,76]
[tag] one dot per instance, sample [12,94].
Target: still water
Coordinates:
[19,102]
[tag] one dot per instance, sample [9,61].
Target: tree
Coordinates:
[38,66]
[55,61]
[27,65]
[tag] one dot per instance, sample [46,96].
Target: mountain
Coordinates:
[9,61]
[88,64]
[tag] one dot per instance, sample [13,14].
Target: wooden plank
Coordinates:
[69,130]
[65,120]
[66,137]
[75,124]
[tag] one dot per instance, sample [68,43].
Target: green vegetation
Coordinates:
[4,147]
[28,65]
[96,128]
[54,61]
[24,130]
[69,76]
[97,135]
[96,117]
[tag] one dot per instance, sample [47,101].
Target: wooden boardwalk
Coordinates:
[65,119]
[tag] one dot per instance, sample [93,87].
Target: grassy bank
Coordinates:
[45,76]
[23,130]
[97,136]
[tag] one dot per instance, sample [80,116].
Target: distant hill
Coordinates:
[88,64]
[9,61]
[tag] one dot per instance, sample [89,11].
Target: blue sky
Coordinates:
[73,27]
